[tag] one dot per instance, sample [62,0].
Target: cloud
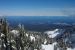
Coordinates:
[33,12]
[69,11]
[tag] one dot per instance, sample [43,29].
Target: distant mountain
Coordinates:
[41,23]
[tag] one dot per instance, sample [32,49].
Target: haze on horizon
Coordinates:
[36,7]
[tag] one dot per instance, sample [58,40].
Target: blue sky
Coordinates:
[36,7]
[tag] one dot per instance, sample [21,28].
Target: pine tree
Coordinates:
[4,30]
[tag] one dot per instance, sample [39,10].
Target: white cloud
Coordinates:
[34,12]
[69,11]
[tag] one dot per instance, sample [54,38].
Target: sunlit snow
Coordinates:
[70,49]
[53,33]
[15,32]
[32,38]
[49,46]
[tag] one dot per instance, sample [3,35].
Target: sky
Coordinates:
[37,7]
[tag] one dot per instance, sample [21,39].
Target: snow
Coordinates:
[45,41]
[49,46]
[12,41]
[35,49]
[15,32]
[2,35]
[4,45]
[26,34]
[14,47]
[53,33]
[70,48]
[32,38]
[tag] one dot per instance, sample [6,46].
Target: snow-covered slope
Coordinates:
[53,33]
[57,33]
[49,46]
[70,49]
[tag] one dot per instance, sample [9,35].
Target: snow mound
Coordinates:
[49,46]
[70,49]
[14,32]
